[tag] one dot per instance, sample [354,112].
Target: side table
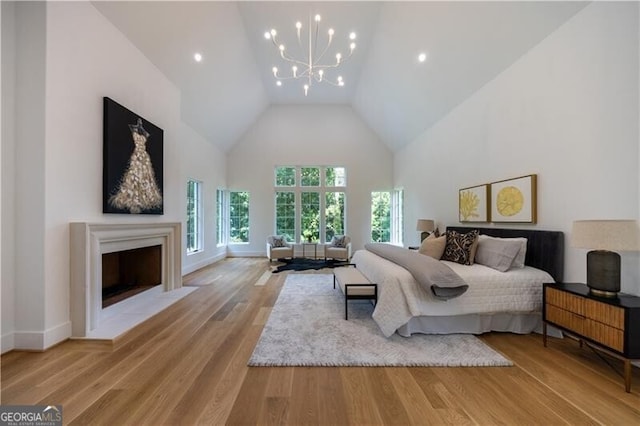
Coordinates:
[315,249]
[611,325]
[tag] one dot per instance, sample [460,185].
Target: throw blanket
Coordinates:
[430,273]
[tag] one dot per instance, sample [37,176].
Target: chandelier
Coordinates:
[310,68]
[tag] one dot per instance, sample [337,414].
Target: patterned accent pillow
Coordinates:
[279,241]
[458,248]
[338,241]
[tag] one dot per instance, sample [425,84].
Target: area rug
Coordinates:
[307,328]
[305,264]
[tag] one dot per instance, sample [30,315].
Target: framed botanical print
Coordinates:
[514,200]
[132,162]
[473,204]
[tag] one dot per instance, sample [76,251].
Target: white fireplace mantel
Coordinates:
[89,241]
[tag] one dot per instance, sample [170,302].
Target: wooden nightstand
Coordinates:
[611,325]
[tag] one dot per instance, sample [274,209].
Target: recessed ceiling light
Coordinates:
[422,57]
[197,56]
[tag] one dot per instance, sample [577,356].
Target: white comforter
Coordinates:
[400,297]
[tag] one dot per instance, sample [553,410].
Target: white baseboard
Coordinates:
[8,342]
[247,254]
[201,264]
[57,334]
[42,340]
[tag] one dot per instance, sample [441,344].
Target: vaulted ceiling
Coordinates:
[467,45]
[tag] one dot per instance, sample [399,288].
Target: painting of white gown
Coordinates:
[132,162]
[138,188]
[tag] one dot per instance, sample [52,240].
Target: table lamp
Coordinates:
[425,226]
[603,263]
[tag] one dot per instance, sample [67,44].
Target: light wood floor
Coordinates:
[187,365]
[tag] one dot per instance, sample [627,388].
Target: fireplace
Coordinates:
[129,272]
[91,244]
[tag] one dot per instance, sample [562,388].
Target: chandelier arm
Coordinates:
[325,80]
[294,61]
[336,65]
[323,52]
[303,74]
[327,67]
[290,78]
[315,44]
[284,56]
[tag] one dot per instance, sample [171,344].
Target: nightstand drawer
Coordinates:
[604,313]
[604,334]
[566,319]
[565,300]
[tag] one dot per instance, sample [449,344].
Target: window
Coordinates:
[335,176]
[194,216]
[310,217]
[387,216]
[220,238]
[397,216]
[286,215]
[238,217]
[381,217]
[310,176]
[285,176]
[310,202]
[334,214]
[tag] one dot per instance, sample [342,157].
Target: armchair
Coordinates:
[278,248]
[338,248]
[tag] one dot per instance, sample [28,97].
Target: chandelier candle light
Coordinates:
[310,68]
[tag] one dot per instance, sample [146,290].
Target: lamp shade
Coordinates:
[425,225]
[612,235]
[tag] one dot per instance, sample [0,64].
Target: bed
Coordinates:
[494,301]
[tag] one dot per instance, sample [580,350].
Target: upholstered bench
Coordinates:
[354,285]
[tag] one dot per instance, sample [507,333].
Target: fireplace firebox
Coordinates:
[129,272]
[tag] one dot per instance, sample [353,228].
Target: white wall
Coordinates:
[86,59]
[568,111]
[1,171]
[210,169]
[8,154]
[29,154]
[331,135]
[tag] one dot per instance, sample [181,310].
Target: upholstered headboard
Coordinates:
[545,249]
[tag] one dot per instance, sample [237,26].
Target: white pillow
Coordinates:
[497,253]
[518,262]
[433,246]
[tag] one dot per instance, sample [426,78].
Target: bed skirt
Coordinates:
[473,324]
